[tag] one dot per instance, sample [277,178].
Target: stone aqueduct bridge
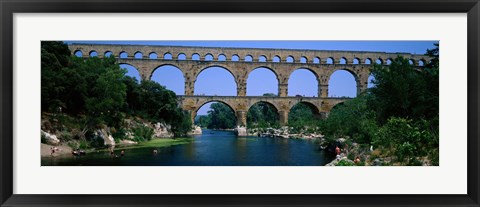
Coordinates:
[241,61]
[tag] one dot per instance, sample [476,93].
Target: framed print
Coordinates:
[196,103]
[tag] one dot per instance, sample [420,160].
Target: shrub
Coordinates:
[344,163]
[143,133]
[65,135]
[83,144]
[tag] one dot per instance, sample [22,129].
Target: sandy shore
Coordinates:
[63,150]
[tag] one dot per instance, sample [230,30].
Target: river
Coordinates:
[212,148]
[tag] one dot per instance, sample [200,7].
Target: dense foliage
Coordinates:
[220,116]
[399,115]
[303,117]
[97,90]
[262,115]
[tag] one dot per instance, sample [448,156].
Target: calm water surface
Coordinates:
[212,148]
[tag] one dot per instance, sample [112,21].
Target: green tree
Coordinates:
[106,93]
[133,94]
[202,120]
[303,116]
[55,56]
[160,105]
[401,90]
[98,89]
[221,117]
[353,118]
[262,114]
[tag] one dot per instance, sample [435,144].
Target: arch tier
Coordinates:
[241,104]
[256,53]
[240,71]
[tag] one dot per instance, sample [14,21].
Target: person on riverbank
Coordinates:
[122,153]
[337,150]
[357,160]
[53,151]
[155,152]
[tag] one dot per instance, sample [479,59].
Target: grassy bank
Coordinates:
[157,143]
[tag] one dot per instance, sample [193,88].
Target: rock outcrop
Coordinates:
[196,130]
[50,138]
[162,130]
[107,137]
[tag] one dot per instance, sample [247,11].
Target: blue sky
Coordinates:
[217,81]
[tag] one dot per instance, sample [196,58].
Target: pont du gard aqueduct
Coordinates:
[241,61]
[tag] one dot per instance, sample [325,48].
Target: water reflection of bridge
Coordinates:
[241,104]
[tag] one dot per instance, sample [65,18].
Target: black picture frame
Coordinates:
[10,7]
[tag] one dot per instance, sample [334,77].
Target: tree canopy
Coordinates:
[98,88]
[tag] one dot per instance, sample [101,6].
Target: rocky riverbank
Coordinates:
[283,132]
[69,133]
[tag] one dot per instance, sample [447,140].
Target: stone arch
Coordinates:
[133,66]
[421,62]
[343,61]
[316,60]
[248,58]
[315,109]
[272,104]
[167,56]
[209,57]
[195,56]
[166,64]
[107,53]
[296,114]
[262,108]
[172,77]
[269,68]
[181,56]
[379,61]
[262,58]
[411,61]
[389,61]
[356,61]
[138,55]
[315,74]
[290,59]
[222,57]
[153,55]
[262,67]
[303,59]
[201,103]
[78,53]
[123,54]
[330,61]
[368,61]
[350,71]
[235,77]
[355,75]
[276,59]
[235,58]
[93,53]
[305,68]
